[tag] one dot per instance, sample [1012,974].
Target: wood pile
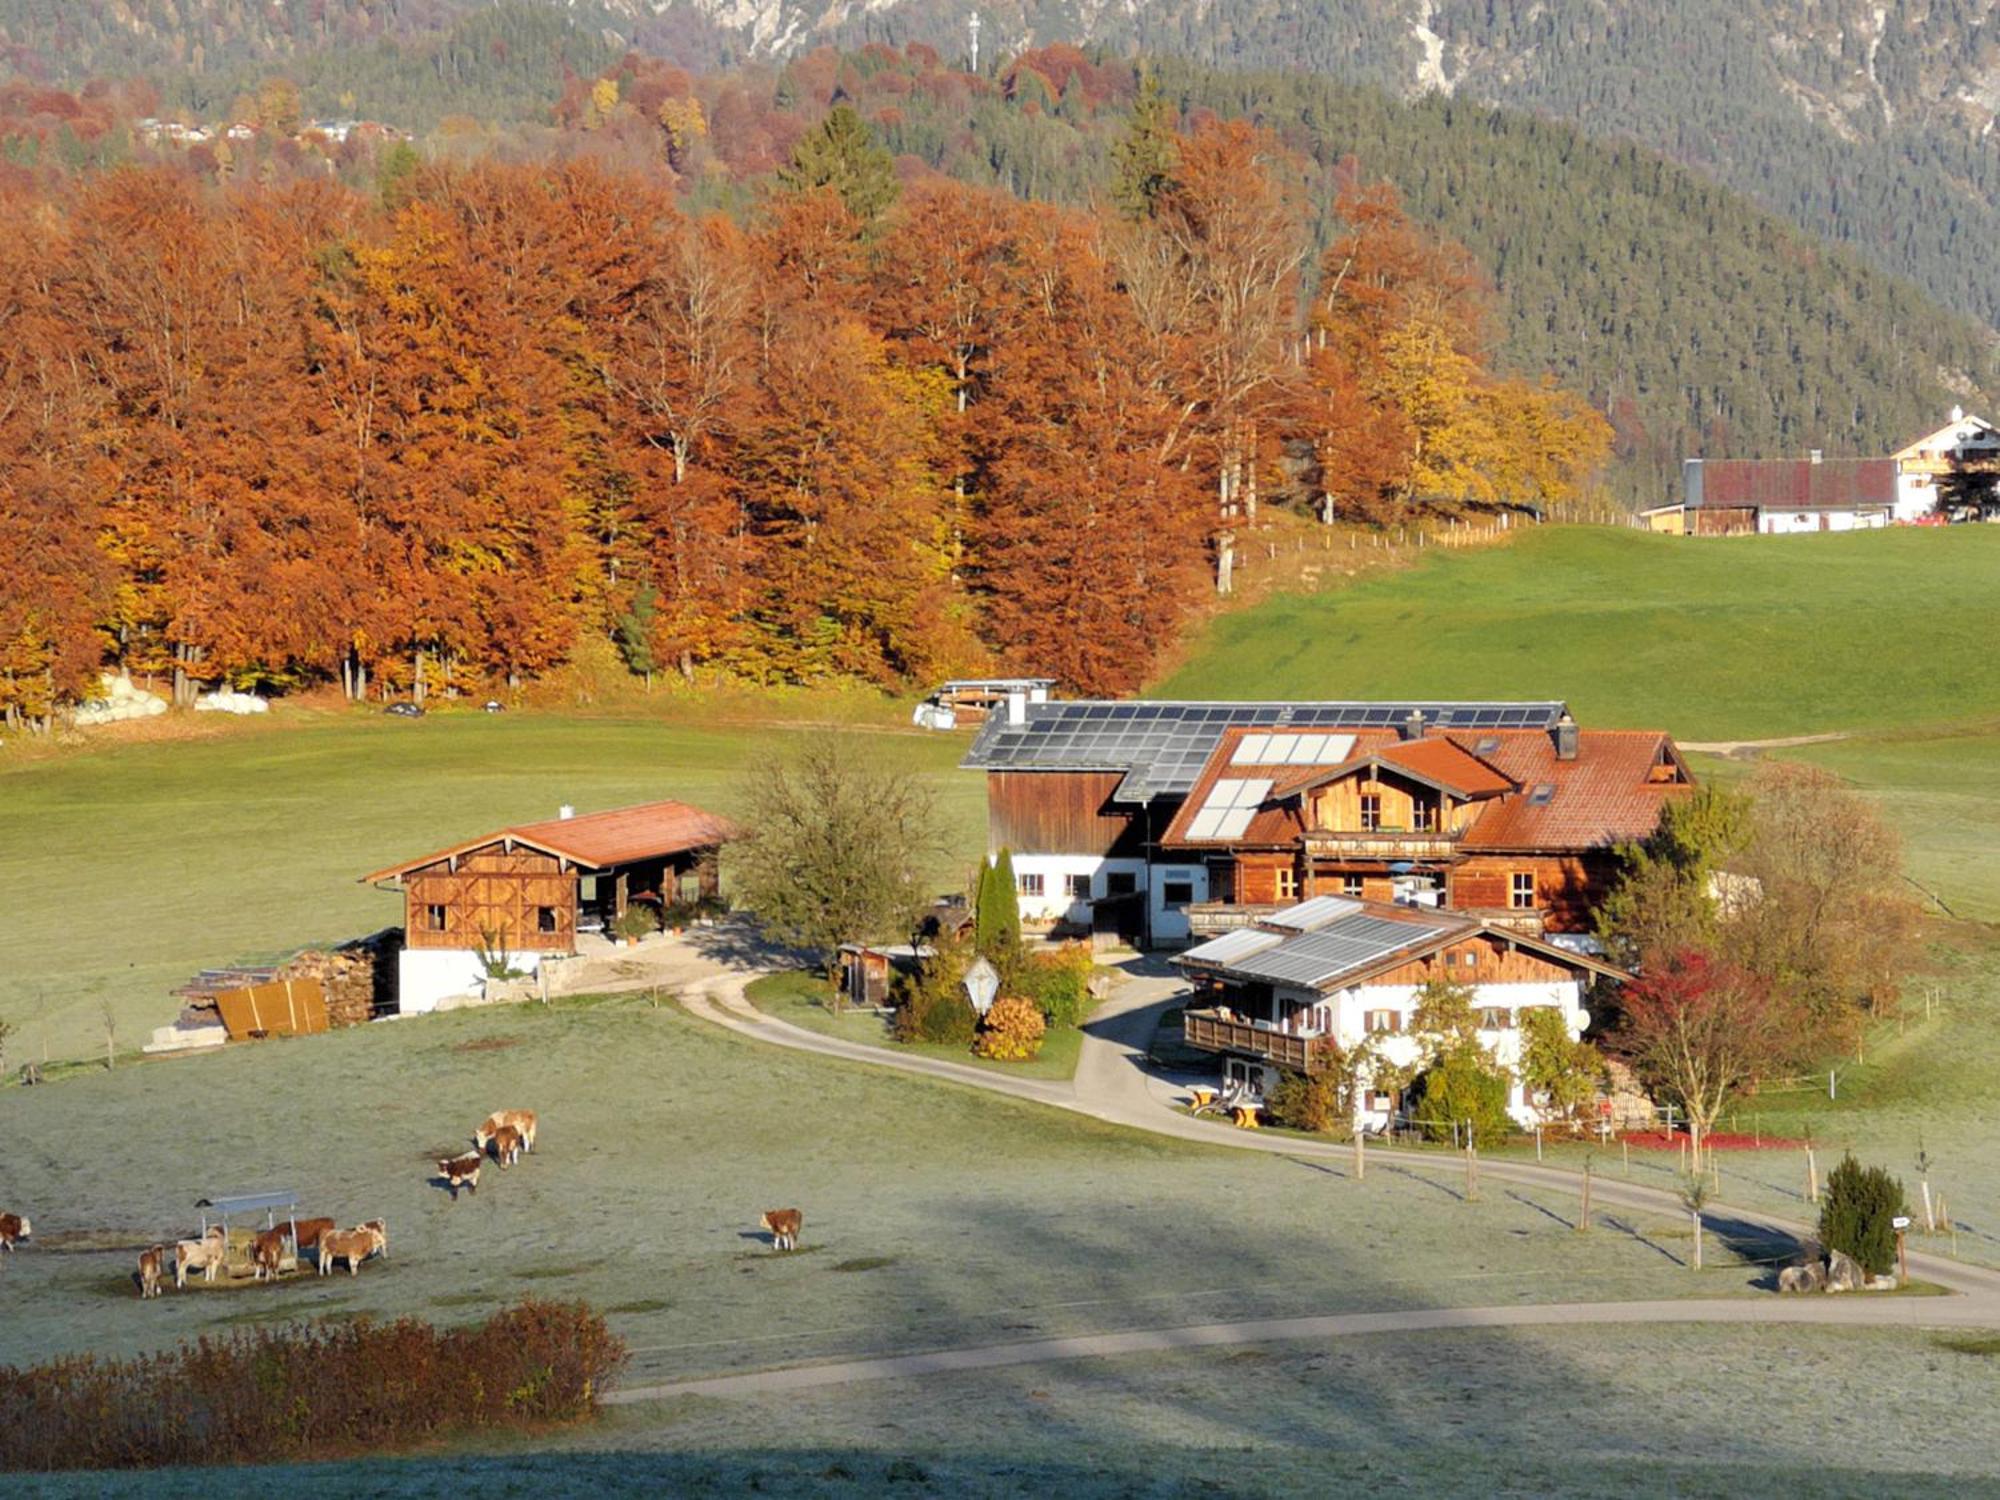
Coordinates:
[346,977]
[351,977]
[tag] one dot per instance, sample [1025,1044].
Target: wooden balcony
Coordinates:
[1531,920]
[1211,1031]
[1381,843]
[1207,919]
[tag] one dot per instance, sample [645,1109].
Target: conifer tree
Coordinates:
[1143,162]
[997,928]
[842,154]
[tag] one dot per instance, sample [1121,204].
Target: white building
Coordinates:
[1318,981]
[1964,444]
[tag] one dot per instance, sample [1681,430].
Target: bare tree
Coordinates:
[834,851]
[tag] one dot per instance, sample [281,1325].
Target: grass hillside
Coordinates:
[131,866]
[1719,639]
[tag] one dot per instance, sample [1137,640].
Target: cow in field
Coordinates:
[351,1245]
[784,1225]
[506,1145]
[267,1250]
[12,1227]
[204,1255]
[380,1230]
[151,1263]
[522,1120]
[461,1171]
[309,1231]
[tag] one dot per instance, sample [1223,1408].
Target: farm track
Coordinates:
[1114,1083]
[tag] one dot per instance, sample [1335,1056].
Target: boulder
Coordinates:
[1809,1277]
[1882,1283]
[1844,1273]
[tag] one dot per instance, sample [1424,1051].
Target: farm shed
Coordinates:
[525,892]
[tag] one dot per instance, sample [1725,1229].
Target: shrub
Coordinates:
[1558,1069]
[1012,1031]
[306,1391]
[1058,983]
[636,921]
[933,1007]
[1462,1086]
[1306,1101]
[1857,1217]
[997,921]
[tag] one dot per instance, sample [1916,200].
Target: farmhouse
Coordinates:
[1516,826]
[1302,987]
[526,892]
[1083,792]
[1931,476]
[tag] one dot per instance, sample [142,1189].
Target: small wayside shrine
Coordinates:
[526,892]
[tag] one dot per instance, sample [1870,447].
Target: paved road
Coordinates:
[1115,1082]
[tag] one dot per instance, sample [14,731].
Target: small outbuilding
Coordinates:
[524,893]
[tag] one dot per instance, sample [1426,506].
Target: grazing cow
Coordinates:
[506,1145]
[461,1171]
[309,1231]
[784,1224]
[204,1255]
[351,1245]
[12,1227]
[522,1120]
[267,1250]
[151,1263]
[380,1230]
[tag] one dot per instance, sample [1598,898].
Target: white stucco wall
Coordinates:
[1055,869]
[425,976]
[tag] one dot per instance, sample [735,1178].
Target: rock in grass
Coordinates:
[1843,1273]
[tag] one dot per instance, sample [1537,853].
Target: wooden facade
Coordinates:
[1063,812]
[1483,959]
[516,900]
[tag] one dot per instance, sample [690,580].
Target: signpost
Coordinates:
[982,983]
[1902,1225]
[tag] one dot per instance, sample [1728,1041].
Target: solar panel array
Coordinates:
[1161,746]
[1232,947]
[1314,913]
[1228,808]
[1292,749]
[1313,958]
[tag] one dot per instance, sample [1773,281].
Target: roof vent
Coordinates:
[565,812]
[1487,745]
[1564,735]
[1017,706]
[1413,724]
[1542,795]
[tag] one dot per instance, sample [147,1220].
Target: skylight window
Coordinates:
[1230,805]
[1542,795]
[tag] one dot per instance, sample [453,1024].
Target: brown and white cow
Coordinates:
[204,1255]
[151,1263]
[267,1250]
[522,1120]
[784,1225]
[506,1145]
[380,1230]
[461,1171]
[13,1227]
[308,1233]
[351,1245]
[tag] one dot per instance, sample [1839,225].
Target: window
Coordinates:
[1371,811]
[434,915]
[1350,885]
[1120,882]
[1521,893]
[1029,883]
[1495,1018]
[1469,958]
[545,919]
[1177,892]
[1288,884]
[1381,1022]
[1078,887]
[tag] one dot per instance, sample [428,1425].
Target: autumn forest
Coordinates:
[427,431]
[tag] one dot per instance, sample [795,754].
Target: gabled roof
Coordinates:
[1160,747]
[1963,428]
[618,836]
[1434,760]
[1349,942]
[1788,484]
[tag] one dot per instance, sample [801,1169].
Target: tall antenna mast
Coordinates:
[975,41]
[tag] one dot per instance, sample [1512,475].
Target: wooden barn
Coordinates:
[528,891]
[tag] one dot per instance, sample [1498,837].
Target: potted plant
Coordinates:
[635,922]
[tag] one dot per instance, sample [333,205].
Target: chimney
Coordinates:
[1813,455]
[1017,706]
[1958,414]
[1413,724]
[565,812]
[1564,734]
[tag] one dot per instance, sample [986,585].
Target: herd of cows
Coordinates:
[506,1134]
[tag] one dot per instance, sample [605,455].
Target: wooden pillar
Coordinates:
[708,871]
[618,895]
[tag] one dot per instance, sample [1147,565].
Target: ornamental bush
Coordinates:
[1306,1101]
[1012,1031]
[1059,984]
[1460,1087]
[933,1006]
[1859,1213]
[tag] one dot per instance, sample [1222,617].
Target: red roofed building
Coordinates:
[1519,825]
[527,891]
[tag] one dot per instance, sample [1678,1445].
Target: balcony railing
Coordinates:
[1381,843]
[1213,918]
[1211,1031]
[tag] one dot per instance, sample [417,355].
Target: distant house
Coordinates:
[526,892]
[1084,791]
[1310,983]
[1731,497]
[1516,825]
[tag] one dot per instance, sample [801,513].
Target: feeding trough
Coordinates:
[237,1213]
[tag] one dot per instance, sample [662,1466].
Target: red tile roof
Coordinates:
[618,836]
[1798,484]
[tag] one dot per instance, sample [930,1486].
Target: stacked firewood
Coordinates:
[346,978]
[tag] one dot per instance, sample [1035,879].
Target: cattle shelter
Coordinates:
[526,892]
